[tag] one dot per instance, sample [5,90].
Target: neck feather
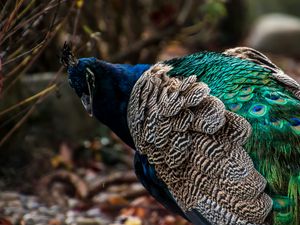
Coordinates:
[113,88]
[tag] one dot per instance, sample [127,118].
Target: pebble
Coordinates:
[72,202]
[71,214]
[94,212]
[88,221]
[32,205]
[9,196]
[276,33]
[31,211]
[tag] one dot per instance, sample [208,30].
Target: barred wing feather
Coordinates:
[196,147]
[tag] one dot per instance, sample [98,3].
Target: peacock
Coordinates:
[216,135]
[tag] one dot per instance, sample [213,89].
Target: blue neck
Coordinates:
[113,88]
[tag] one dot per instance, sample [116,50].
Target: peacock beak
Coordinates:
[87,103]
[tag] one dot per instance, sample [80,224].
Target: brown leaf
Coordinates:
[4,221]
[54,222]
[117,200]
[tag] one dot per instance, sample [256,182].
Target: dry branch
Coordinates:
[66,177]
[117,178]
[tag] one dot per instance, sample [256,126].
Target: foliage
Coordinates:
[27,28]
[32,33]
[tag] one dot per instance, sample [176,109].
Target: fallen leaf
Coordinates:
[4,221]
[133,221]
[117,200]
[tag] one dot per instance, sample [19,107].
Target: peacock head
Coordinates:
[81,76]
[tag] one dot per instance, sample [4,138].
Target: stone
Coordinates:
[88,221]
[276,33]
[94,212]
[9,196]
[72,202]
[32,205]
[15,203]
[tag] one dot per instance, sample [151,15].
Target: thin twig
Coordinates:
[1,77]
[184,13]
[35,48]
[34,17]
[135,48]
[20,122]
[48,37]
[29,99]
[76,24]
[158,37]
[2,13]
[41,46]
[33,59]
[26,9]
[11,17]
[24,53]
[14,116]
[29,112]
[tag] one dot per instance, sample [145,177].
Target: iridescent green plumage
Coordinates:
[251,86]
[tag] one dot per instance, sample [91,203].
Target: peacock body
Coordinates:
[216,134]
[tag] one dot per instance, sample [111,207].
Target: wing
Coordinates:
[156,187]
[195,146]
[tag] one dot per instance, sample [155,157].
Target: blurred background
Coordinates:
[60,166]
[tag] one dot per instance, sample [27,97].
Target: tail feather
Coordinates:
[294,195]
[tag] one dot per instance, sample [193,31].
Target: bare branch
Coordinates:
[122,177]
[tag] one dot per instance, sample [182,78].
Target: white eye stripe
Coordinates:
[70,82]
[90,77]
[90,80]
